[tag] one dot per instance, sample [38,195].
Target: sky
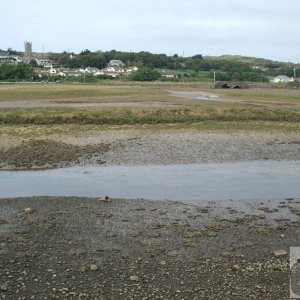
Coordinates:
[260,28]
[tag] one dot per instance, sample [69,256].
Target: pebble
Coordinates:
[134,278]
[235,267]
[82,269]
[28,210]
[3,287]
[280,253]
[94,268]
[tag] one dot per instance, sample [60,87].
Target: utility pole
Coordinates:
[214,77]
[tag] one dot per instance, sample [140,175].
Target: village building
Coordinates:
[91,70]
[282,79]
[169,74]
[116,69]
[116,63]
[46,63]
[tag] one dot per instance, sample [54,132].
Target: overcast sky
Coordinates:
[261,28]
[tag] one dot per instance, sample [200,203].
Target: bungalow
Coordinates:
[169,74]
[46,63]
[130,70]
[282,79]
[109,72]
[62,74]
[73,72]
[91,70]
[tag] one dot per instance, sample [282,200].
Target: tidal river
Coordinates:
[195,182]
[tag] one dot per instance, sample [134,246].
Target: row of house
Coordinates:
[112,71]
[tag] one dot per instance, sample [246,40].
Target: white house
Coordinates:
[282,79]
[62,74]
[52,71]
[169,74]
[91,70]
[116,63]
[46,63]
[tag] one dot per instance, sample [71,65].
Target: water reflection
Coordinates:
[248,180]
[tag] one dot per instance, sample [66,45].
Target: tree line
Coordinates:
[225,69]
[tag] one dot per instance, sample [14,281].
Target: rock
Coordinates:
[250,269]
[3,287]
[280,253]
[29,210]
[163,263]
[82,269]
[94,268]
[2,222]
[134,278]
[235,267]
[105,199]
[155,226]
[172,253]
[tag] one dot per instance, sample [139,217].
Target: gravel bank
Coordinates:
[150,147]
[188,146]
[85,248]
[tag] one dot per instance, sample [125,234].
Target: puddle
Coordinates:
[194,95]
[236,181]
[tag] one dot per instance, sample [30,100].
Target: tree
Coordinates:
[145,74]
[61,58]
[85,52]
[197,56]
[33,63]
[88,59]
[16,72]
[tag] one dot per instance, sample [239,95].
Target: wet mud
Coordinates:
[50,154]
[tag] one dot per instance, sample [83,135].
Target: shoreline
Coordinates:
[143,147]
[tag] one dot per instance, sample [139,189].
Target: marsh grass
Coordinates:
[45,131]
[20,92]
[126,116]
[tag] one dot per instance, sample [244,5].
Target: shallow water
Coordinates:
[236,181]
[194,95]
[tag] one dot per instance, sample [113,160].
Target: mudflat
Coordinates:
[102,248]
[88,248]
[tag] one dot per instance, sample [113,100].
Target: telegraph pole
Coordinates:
[214,77]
